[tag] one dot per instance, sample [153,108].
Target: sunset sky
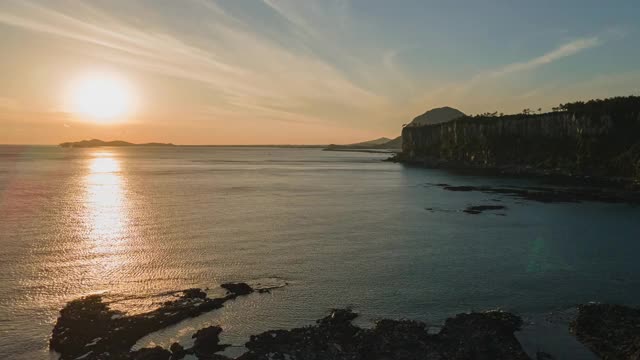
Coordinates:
[298,72]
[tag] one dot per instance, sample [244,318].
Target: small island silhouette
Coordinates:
[99,143]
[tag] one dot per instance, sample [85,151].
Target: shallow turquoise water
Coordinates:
[343,229]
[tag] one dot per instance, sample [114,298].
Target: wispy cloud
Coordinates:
[561,52]
[456,92]
[320,64]
[249,71]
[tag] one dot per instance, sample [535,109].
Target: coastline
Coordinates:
[372,151]
[556,176]
[89,329]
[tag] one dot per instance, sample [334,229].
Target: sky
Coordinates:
[302,71]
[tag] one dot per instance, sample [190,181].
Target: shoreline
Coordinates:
[551,176]
[88,329]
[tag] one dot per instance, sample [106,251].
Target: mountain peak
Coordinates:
[436,116]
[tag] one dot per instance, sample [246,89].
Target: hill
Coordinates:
[437,116]
[370,143]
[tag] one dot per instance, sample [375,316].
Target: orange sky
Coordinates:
[291,72]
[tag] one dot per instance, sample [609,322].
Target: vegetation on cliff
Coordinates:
[593,138]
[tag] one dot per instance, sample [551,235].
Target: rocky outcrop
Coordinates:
[237,289]
[89,329]
[479,209]
[486,335]
[598,138]
[207,342]
[551,194]
[610,331]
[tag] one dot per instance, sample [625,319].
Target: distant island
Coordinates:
[381,145]
[119,143]
[99,143]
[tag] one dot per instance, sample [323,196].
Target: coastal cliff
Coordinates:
[597,138]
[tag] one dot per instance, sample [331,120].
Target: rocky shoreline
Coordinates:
[610,331]
[88,329]
[552,194]
[557,176]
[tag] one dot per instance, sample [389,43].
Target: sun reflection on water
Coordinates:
[105,203]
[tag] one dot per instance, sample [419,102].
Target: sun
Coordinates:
[101,97]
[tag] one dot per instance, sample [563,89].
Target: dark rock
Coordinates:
[194,294]
[177,351]
[156,353]
[487,335]
[610,331]
[237,288]
[207,341]
[458,188]
[481,208]
[88,326]
[81,326]
[556,194]
[467,336]
[541,355]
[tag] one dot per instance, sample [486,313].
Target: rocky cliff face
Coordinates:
[590,143]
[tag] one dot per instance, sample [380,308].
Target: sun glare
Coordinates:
[101,97]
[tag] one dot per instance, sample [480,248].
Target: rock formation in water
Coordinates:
[89,329]
[553,194]
[488,335]
[597,138]
[610,331]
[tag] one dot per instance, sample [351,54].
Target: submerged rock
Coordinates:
[610,331]
[479,209]
[554,194]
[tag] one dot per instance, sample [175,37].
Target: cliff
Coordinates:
[598,138]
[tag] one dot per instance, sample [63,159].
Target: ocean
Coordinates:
[334,229]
